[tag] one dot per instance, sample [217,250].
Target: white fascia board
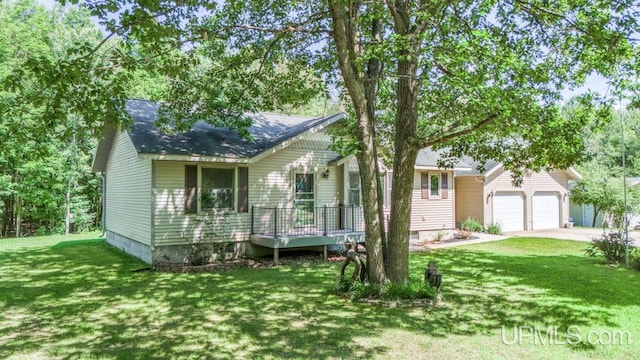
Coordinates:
[194,158]
[575,175]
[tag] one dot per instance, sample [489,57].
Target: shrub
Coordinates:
[439,236]
[634,259]
[411,290]
[494,228]
[472,225]
[611,245]
[360,290]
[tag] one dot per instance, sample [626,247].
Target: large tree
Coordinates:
[480,77]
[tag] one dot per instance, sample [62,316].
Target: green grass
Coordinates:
[71,299]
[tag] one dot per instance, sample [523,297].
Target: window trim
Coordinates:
[443,189]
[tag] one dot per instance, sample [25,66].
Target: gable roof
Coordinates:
[427,159]
[269,131]
[492,166]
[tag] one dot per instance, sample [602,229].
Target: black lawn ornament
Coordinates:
[432,276]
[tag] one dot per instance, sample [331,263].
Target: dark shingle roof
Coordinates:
[430,157]
[267,130]
[488,166]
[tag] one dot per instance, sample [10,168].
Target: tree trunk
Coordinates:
[406,148]
[18,214]
[345,36]
[67,218]
[595,216]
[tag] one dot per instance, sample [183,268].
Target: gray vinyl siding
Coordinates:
[128,194]
[270,185]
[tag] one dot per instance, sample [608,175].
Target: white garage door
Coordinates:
[508,211]
[546,210]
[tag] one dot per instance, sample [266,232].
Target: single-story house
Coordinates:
[281,189]
[582,215]
[490,197]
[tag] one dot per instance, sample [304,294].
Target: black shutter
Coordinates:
[243,189]
[190,189]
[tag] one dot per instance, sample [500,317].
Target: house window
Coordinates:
[209,188]
[216,189]
[435,185]
[354,188]
[304,200]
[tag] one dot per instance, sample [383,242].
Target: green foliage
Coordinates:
[634,259]
[358,290]
[611,245]
[408,291]
[605,193]
[472,224]
[494,228]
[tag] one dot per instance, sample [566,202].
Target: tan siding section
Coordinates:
[128,198]
[432,214]
[270,185]
[469,198]
[548,181]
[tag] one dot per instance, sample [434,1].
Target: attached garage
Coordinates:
[545,208]
[508,210]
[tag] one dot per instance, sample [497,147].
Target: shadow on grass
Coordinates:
[80,299]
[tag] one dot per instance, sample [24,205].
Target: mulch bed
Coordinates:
[287,259]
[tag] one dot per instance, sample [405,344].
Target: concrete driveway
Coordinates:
[579,234]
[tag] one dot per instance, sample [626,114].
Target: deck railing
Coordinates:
[325,220]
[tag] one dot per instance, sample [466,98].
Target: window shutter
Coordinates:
[444,179]
[425,185]
[190,189]
[243,189]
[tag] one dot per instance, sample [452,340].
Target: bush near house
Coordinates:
[473,225]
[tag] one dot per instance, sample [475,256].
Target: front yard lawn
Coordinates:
[518,298]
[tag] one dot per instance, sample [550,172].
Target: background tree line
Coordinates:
[602,170]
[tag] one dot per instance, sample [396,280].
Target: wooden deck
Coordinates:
[300,241]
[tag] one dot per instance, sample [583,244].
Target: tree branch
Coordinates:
[446,134]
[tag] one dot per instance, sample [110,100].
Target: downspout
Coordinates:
[104,204]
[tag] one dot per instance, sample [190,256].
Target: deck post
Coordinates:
[276,256]
[252,217]
[353,221]
[324,252]
[324,220]
[275,223]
